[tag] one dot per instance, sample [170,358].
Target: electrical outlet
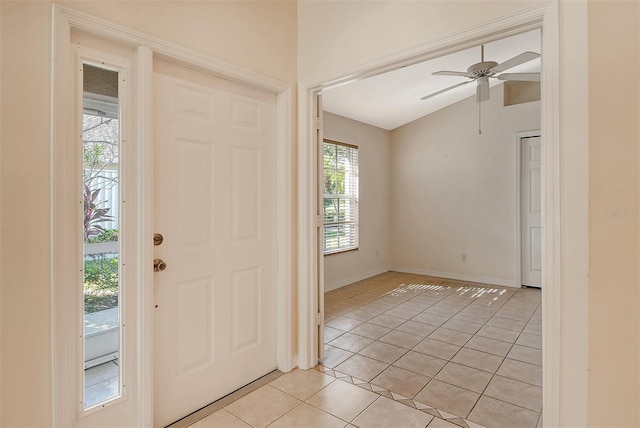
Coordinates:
[464,257]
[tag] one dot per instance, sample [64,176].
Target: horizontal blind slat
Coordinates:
[340,210]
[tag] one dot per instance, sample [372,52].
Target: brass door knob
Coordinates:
[159,265]
[157,239]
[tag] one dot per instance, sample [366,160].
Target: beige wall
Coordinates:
[24,185]
[259,36]
[614,136]
[332,34]
[372,256]
[453,190]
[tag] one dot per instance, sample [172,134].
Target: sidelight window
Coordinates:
[102,279]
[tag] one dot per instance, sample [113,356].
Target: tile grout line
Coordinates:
[306,401]
[493,375]
[380,394]
[364,410]
[442,325]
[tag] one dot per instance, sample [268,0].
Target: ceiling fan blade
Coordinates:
[452,73]
[482,92]
[426,97]
[516,60]
[529,77]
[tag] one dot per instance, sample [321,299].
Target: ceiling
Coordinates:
[392,99]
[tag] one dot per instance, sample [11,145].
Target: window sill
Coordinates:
[341,252]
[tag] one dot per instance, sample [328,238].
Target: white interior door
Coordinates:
[530,211]
[214,202]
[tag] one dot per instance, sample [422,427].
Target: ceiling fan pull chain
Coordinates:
[479,118]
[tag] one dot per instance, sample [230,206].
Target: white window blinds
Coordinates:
[340,210]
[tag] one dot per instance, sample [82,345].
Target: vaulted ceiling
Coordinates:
[392,99]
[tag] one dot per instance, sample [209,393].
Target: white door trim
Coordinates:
[144,111]
[544,16]
[319,225]
[518,194]
[63,21]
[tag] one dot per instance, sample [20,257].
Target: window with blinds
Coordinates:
[340,210]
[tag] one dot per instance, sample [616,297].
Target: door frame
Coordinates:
[544,17]
[518,192]
[146,48]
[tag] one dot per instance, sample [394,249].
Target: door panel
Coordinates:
[214,163]
[194,314]
[246,195]
[530,211]
[245,318]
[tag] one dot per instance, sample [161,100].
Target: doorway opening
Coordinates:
[373,69]
[446,202]
[528,218]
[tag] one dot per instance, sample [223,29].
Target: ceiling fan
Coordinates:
[482,71]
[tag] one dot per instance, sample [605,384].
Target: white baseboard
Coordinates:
[457,276]
[344,282]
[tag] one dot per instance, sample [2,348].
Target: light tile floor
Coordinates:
[411,351]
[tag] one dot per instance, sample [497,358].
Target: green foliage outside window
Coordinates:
[340,188]
[100,165]
[100,282]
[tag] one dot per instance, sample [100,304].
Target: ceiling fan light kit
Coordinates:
[481,69]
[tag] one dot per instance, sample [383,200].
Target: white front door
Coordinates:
[530,211]
[214,204]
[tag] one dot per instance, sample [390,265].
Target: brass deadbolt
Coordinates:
[159,265]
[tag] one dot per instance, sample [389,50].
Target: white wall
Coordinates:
[453,191]
[372,256]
